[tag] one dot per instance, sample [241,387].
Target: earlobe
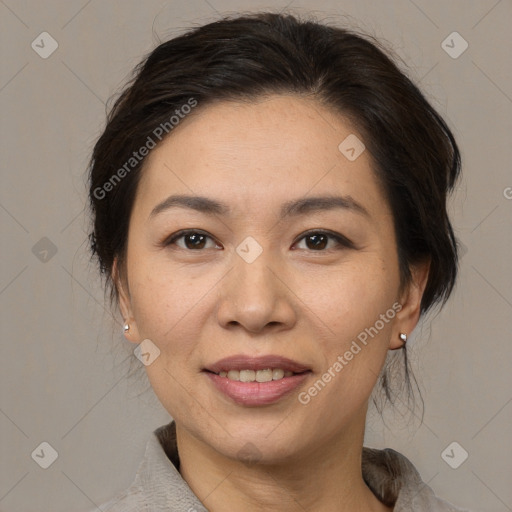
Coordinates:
[408,317]
[403,338]
[129,325]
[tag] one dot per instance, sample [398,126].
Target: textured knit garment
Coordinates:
[159,487]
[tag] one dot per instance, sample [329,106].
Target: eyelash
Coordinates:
[340,239]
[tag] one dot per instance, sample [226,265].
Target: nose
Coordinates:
[255,296]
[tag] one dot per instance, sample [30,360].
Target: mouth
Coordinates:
[256,369]
[253,381]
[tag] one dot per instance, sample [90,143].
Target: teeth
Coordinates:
[277,374]
[234,375]
[266,375]
[247,376]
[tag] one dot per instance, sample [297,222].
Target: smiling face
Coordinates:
[268,268]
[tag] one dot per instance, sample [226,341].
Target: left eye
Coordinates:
[319,240]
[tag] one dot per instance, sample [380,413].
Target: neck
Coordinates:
[327,479]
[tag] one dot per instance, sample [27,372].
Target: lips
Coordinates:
[248,392]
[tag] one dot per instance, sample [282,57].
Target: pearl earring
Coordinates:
[126,327]
[403,337]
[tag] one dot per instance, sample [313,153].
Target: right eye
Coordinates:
[193,240]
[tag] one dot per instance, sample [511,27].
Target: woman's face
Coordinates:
[259,277]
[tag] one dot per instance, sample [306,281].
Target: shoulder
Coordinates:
[395,481]
[158,485]
[132,499]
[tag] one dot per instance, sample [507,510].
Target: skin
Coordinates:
[295,300]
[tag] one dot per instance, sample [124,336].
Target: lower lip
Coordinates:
[257,393]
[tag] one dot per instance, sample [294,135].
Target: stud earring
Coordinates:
[403,337]
[126,327]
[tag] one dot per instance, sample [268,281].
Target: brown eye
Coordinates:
[192,240]
[319,241]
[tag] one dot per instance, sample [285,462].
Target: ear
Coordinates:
[125,305]
[410,300]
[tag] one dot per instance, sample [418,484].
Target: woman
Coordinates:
[269,204]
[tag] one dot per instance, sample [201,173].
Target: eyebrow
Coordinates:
[296,207]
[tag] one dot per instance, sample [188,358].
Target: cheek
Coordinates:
[161,307]
[161,299]
[356,316]
[168,312]
[352,297]
[151,293]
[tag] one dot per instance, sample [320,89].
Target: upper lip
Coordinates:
[243,362]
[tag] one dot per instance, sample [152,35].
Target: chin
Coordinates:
[256,444]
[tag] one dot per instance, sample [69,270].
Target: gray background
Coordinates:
[64,367]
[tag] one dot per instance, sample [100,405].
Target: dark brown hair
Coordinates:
[414,152]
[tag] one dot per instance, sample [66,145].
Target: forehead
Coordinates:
[249,154]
